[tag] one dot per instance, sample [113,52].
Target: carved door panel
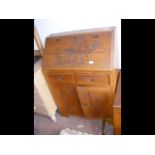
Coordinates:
[96,102]
[69,103]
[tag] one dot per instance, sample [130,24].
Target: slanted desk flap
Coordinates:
[84,50]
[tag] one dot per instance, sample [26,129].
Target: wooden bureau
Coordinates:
[117,108]
[81,73]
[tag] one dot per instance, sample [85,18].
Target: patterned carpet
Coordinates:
[45,126]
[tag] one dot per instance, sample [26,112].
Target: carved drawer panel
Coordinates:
[93,79]
[58,77]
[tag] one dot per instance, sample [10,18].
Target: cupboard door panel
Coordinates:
[96,102]
[68,101]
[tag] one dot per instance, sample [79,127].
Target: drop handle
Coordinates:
[60,78]
[83,105]
[92,80]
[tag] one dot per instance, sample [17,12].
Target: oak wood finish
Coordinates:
[79,68]
[95,101]
[93,79]
[117,109]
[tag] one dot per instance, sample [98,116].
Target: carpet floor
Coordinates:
[45,126]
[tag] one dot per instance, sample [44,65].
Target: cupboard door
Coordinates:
[96,102]
[68,101]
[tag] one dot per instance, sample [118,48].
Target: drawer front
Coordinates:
[90,79]
[61,77]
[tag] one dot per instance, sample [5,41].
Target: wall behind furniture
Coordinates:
[47,27]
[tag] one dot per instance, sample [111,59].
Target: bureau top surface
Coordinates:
[80,50]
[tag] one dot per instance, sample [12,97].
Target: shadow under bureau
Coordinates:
[80,71]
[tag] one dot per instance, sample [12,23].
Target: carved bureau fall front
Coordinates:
[81,74]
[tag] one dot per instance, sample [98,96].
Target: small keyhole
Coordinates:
[96,36]
[58,39]
[92,80]
[83,105]
[60,78]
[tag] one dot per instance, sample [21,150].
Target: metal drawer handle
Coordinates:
[83,105]
[60,78]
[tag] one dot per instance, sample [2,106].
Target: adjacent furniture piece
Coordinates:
[39,43]
[117,109]
[43,100]
[81,73]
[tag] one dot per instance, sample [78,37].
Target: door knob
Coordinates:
[92,80]
[83,105]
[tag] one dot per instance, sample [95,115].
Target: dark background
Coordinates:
[16,89]
[138,80]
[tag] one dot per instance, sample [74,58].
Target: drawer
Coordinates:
[61,77]
[93,79]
